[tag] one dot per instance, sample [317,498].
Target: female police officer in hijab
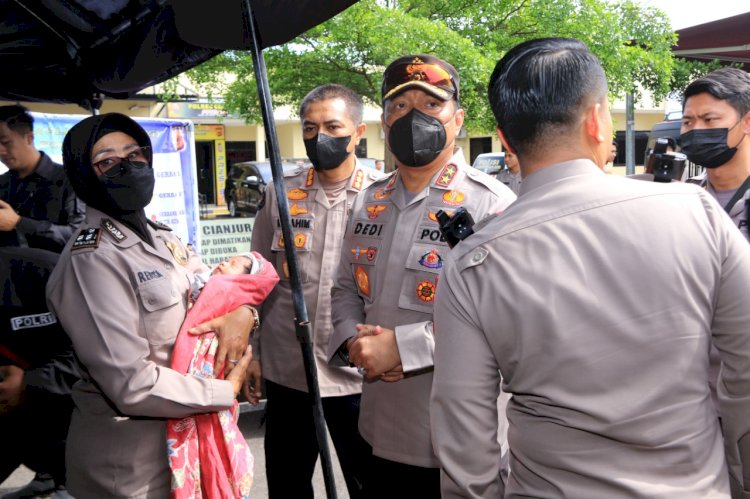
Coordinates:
[120,291]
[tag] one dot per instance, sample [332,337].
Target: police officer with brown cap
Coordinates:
[391,260]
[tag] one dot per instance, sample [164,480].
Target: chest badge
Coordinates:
[375,210]
[426,291]
[178,253]
[431,260]
[363,281]
[300,240]
[380,194]
[454,198]
[296,194]
[296,209]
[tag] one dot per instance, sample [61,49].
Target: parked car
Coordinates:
[246,184]
[490,163]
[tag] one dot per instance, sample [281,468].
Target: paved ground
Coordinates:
[250,424]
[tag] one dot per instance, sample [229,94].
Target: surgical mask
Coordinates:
[708,146]
[326,152]
[416,139]
[132,189]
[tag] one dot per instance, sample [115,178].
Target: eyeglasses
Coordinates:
[112,166]
[417,71]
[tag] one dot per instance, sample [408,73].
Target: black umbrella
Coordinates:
[76,51]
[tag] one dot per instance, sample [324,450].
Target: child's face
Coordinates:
[235,265]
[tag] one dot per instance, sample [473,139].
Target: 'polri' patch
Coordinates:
[113,229]
[87,238]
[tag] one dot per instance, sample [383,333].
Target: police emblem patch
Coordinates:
[87,238]
[372,252]
[296,194]
[426,291]
[454,198]
[110,227]
[300,240]
[431,260]
[178,253]
[363,281]
[375,210]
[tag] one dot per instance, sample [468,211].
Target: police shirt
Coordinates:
[391,260]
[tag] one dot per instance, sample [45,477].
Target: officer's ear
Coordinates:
[745,123]
[359,132]
[29,138]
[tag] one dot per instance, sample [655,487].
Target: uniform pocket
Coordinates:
[158,298]
[303,245]
[418,291]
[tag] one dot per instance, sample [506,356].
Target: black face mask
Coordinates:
[326,152]
[708,147]
[416,139]
[132,189]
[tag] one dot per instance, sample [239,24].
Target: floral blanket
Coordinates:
[208,456]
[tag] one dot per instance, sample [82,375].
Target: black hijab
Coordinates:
[77,146]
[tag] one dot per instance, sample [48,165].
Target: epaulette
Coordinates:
[294,172]
[482,178]
[158,225]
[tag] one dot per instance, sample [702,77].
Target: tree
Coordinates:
[634,44]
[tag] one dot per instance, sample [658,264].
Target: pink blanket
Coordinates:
[208,456]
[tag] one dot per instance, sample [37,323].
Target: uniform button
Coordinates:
[477,256]
[168,266]
[151,301]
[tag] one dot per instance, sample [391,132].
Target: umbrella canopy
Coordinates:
[74,51]
[726,39]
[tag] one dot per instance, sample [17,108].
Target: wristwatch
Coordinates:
[256,319]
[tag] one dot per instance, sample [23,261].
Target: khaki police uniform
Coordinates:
[122,302]
[739,210]
[391,261]
[600,320]
[318,230]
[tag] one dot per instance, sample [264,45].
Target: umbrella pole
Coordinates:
[301,323]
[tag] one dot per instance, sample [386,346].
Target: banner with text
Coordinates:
[222,238]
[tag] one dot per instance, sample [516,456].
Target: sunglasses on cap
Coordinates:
[431,77]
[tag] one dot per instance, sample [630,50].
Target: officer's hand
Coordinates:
[253,380]
[237,375]
[8,217]
[374,350]
[396,374]
[233,331]
[12,388]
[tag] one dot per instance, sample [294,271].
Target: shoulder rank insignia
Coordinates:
[178,253]
[296,194]
[310,177]
[446,176]
[87,238]
[110,227]
[357,182]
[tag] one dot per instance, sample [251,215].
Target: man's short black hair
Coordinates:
[727,84]
[17,118]
[329,91]
[539,88]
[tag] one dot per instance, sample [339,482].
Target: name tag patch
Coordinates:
[368,229]
[32,321]
[112,229]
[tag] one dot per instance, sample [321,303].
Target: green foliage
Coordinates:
[633,43]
